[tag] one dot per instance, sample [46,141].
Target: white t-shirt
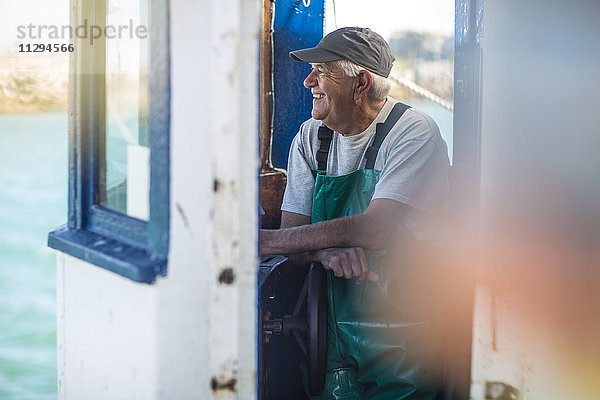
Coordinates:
[413,160]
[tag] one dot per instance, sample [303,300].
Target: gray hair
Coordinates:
[381,86]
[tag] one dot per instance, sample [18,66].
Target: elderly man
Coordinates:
[365,174]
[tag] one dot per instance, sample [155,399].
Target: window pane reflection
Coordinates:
[125,165]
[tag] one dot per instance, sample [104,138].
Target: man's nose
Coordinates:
[310,80]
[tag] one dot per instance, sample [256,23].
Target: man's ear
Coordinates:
[365,81]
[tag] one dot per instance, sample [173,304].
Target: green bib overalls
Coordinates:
[374,349]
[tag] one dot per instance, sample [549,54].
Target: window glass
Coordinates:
[111,189]
[124,160]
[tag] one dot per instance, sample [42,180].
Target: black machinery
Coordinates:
[292,304]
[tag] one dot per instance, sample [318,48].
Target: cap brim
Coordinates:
[314,55]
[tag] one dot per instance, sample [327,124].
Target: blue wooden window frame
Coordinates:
[127,246]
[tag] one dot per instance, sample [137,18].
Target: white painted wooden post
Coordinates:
[214,194]
[233,73]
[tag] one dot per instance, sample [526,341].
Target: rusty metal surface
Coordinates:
[266,84]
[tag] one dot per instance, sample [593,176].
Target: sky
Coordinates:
[25,12]
[388,16]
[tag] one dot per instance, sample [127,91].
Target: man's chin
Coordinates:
[318,116]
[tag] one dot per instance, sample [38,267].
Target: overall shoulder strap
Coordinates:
[381,131]
[325,135]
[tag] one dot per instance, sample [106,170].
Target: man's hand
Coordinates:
[347,262]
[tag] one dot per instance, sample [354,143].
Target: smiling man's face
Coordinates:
[333,94]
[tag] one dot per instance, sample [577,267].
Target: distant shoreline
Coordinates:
[32,83]
[30,93]
[28,109]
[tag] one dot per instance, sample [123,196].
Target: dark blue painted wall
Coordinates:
[297,24]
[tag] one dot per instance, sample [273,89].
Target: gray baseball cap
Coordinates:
[362,46]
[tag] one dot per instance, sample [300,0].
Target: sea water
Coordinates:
[33,201]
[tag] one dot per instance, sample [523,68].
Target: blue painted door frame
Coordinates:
[297,24]
[465,182]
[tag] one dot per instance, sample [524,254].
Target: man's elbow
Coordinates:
[378,223]
[375,237]
[378,240]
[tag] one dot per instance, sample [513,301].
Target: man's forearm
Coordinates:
[303,259]
[353,231]
[370,230]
